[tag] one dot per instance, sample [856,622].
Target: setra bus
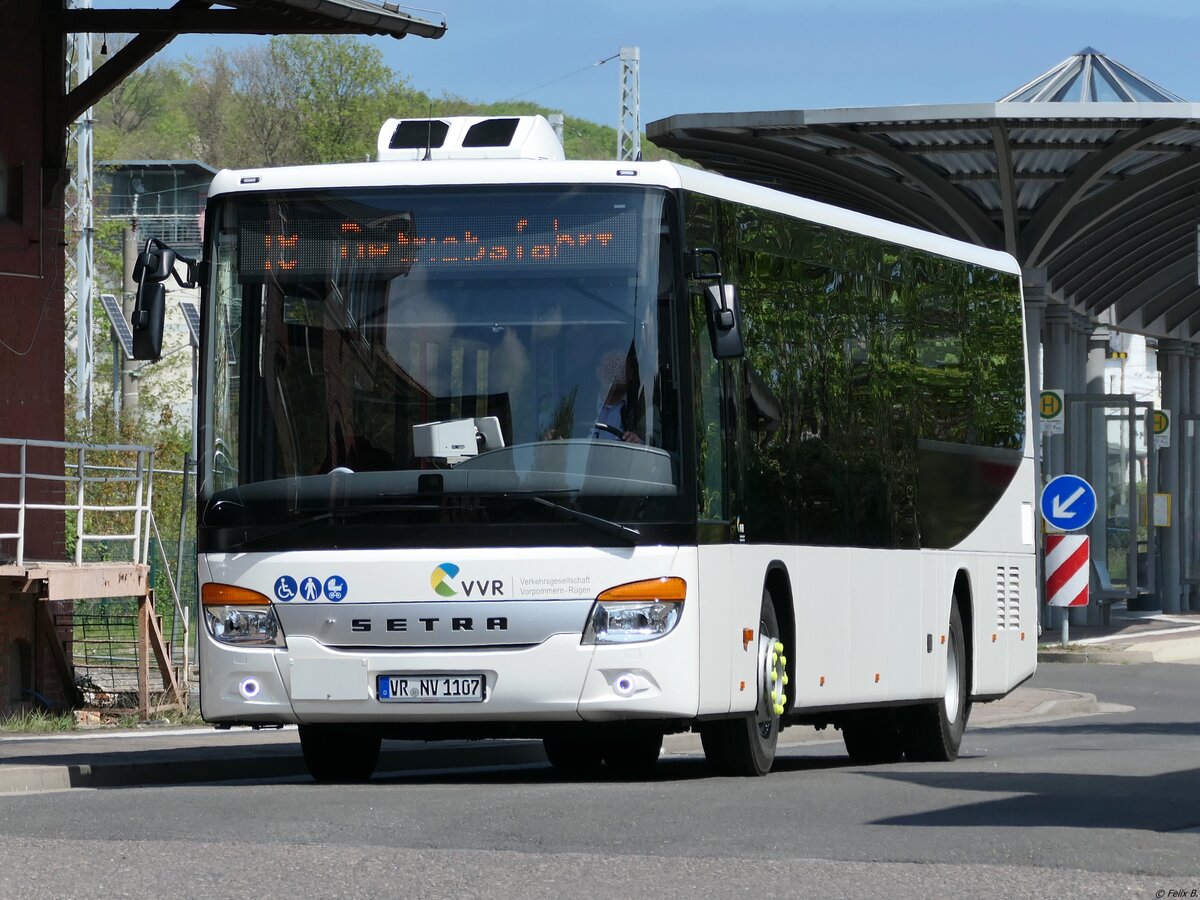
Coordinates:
[495,444]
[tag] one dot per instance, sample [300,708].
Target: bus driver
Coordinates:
[615,414]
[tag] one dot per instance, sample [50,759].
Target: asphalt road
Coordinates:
[1103,806]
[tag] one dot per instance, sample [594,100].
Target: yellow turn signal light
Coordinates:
[664,590]
[214,594]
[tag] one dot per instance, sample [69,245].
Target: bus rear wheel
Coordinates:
[338,754]
[872,736]
[746,745]
[933,732]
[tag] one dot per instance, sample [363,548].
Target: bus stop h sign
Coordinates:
[1068,503]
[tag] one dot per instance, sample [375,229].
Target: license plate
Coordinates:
[431,688]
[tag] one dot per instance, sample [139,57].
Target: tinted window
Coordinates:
[883,387]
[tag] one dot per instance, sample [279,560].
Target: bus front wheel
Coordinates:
[576,753]
[339,755]
[746,745]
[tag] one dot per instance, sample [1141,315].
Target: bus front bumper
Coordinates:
[560,680]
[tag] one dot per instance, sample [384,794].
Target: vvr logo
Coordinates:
[438,579]
[440,582]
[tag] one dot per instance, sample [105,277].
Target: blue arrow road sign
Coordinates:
[1068,503]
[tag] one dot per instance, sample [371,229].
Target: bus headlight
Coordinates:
[244,625]
[236,615]
[639,611]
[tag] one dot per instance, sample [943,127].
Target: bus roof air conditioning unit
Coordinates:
[468,137]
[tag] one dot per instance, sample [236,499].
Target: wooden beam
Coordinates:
[200,21]
[162,655]
[123,62]
[97,581]
[143,657]
[58,653]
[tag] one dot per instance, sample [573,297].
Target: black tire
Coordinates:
[746,745]
[339,755]
[576,753]
[631,750]
[872,736]
[933,732]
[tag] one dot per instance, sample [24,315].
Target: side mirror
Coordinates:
[155,263]
[724,320]
[149,314]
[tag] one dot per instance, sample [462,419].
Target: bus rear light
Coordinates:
[215,594]
[638,611]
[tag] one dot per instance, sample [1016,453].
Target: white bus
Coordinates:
[495,444]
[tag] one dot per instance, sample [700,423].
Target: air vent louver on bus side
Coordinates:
[1008,598]
[468,137]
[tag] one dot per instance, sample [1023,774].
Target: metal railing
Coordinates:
[114,483]
[106,492]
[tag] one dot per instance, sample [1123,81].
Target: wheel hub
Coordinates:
[773,678]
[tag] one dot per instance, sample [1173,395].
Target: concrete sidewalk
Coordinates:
[156,756]
[1131,637]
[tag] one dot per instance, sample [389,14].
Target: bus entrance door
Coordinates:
[1109,444]
[1186,517]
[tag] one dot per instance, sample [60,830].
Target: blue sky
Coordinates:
[710,55]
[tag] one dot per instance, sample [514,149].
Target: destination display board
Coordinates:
[305,247]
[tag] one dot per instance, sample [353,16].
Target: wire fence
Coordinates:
[105,645]
[109,504]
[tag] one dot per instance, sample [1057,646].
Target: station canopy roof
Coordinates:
[153,29]
[1089,174]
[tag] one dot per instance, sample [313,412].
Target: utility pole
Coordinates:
[129,391]
[629,127]
[80,268]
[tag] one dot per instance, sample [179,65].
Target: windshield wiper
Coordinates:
[616,529]
[252,534]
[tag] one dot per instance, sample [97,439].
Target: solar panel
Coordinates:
[191,315]
[120,324]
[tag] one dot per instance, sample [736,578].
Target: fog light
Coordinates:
[249,688]
[625,685]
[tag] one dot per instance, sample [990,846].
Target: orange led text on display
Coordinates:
[517,243]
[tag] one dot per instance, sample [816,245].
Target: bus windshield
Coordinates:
[365,349]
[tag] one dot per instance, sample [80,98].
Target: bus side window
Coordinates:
[710,442]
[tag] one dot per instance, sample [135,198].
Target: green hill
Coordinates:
[293,100]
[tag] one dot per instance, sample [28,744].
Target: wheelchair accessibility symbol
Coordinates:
[285,588]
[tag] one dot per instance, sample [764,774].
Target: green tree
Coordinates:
[341,87]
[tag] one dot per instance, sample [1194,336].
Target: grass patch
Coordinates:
[37,721]
[182,717]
